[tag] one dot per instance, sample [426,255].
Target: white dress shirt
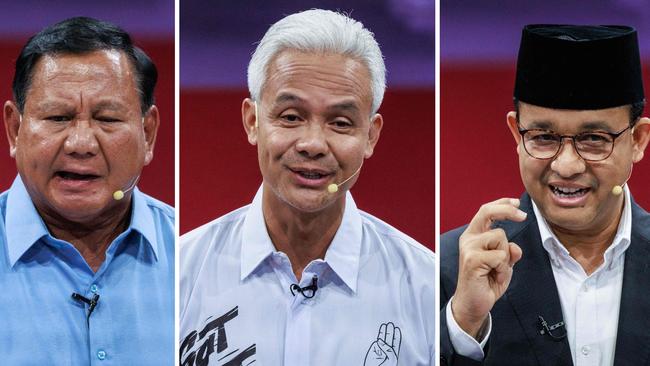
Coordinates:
[590,303]
[236,304]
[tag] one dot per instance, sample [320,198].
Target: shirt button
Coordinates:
[94,288]
[101,354]
[585,350]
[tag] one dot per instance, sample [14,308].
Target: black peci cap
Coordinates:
[578,67]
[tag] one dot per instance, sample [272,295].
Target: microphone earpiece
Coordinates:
[119,194]
[333,188]
[617,190]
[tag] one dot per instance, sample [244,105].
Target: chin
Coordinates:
[574,219]
[81,210]
[310,202]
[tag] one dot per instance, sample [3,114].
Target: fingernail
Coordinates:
[514,202]
[521,214]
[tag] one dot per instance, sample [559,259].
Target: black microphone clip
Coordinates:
[307,291]
[92,303]
[546,329]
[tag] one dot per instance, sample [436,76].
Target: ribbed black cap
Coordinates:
[578,66]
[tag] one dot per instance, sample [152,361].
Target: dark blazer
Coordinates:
[515,338]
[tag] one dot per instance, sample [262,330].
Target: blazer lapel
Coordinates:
[533,293]
[633,337]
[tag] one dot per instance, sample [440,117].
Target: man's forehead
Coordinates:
[294,98]
[339,75]
[105,73]
[533,116]
[81,64]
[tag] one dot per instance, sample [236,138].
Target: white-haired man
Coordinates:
[301,276]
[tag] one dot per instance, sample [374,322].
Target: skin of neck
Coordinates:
[91,238]
[302,236]
[588,247]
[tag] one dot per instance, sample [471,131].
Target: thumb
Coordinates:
[515,254]
[388,350]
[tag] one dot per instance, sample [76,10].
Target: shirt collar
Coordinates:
[619,245]
[142,220]
[342,256]
[25,226]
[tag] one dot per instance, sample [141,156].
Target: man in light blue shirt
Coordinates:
[301,276]
[86,259]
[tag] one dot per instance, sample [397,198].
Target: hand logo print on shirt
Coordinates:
[384,350]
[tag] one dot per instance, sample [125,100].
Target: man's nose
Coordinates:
[567,162]
[81,139]
[312,142]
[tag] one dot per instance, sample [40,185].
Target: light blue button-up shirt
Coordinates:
[374,304]
[41,324]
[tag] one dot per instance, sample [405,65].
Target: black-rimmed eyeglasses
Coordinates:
[590,146]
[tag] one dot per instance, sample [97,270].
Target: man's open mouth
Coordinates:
[75,176]
[566,192]
[310,174]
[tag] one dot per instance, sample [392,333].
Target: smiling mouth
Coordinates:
[565,192]
[311,174]
[75,176]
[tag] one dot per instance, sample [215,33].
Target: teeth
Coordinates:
[69,175]
[310,175]
[568,192]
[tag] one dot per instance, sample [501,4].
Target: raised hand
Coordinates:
[486,259]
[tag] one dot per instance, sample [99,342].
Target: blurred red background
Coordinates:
[477,152]
[219,170]
[157,179]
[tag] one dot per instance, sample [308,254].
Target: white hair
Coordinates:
[319,31]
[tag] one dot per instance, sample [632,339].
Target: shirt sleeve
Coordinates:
[464,344]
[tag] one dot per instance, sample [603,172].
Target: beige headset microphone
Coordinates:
[119,194]
[333,188]
[617,190]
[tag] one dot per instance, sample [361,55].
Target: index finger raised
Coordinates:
[501,209]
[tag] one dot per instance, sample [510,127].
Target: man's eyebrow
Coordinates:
[110,105]
[287,97]
[596,125]
[50,104]
[345,106]
[541,125]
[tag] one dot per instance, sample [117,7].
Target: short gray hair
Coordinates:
[321,31]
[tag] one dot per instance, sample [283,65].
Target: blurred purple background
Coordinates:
[141,18]
[217,38]
[482,31]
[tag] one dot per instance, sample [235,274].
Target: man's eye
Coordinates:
[107,119]
[543,137]
[56,118]
[290,117]
[342,124]
[594,138]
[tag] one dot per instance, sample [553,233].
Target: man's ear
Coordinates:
[641,136]
[249,116]
[513,126]
[150,124]
[13,119]
[376,123]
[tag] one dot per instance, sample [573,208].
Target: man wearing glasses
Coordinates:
[578,239]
